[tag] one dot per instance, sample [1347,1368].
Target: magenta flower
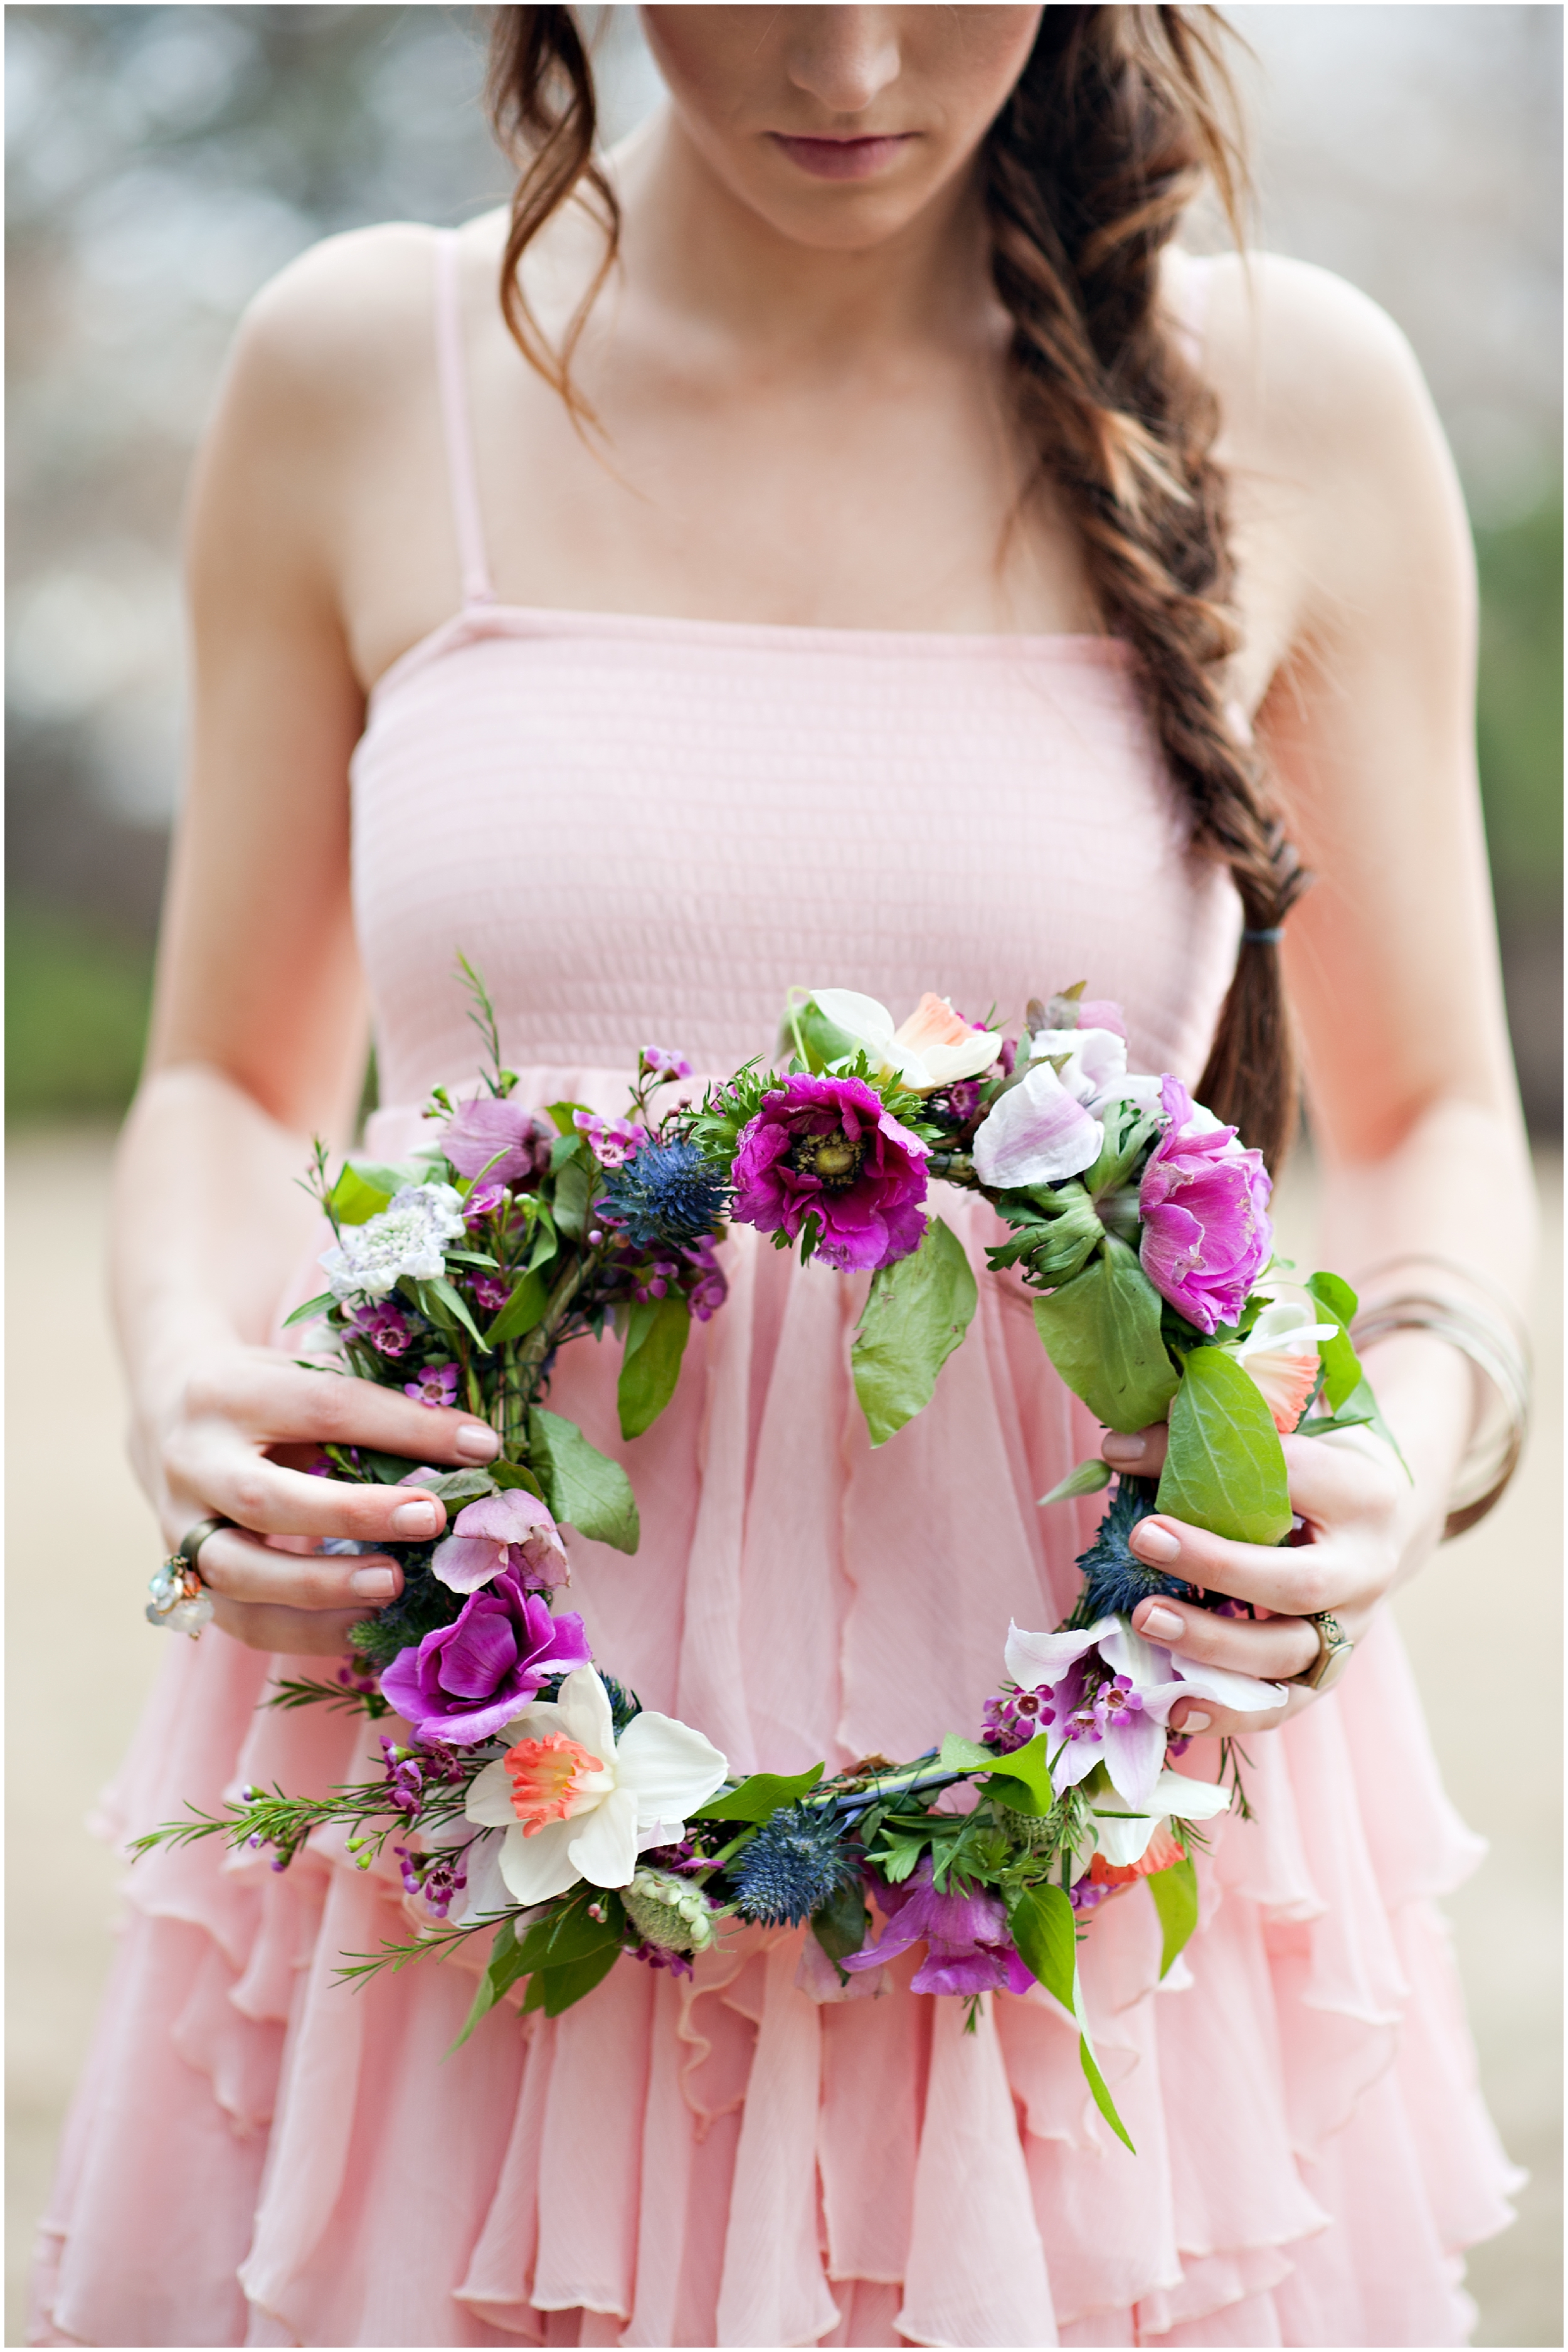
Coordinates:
[668,1064]
[466,1681]
[612,1141]
[504,1139]
[508,1533]
[1203,1201]
[386,1327]
[436,1385]
[968,1948]
[483,1201]
[490,1293]
[826,1149]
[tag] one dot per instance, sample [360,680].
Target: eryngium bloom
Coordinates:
[1115,1579]
[664,1192]
[796,1861]
[826,1148]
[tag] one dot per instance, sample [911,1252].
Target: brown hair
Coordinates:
[1116,119]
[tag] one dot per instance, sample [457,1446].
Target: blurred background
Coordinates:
[164,162]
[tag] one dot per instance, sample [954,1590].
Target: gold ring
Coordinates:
[1335,1650]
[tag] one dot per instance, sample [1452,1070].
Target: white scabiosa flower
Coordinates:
[405,1238]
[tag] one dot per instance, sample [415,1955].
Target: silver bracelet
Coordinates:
[1500,1355]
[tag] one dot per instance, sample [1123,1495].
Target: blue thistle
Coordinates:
[1115,1579]
[791,1868]
[665,1192]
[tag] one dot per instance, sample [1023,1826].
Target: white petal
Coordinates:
[537,1867]
[1032,1659]
[1191,1800]
[1123,1838]
[1096,1060]
[583,1706]
[670,1769]
[1036,1133]
[490,1799]
[603,1847]
[948,1065]
[861,1017]
[1145,1665]
[1243,1692]
[487,1891]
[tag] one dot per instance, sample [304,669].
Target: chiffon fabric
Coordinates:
[645,831]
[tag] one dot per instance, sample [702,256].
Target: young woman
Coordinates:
[857,547]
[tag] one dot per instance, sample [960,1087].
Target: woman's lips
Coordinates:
[842,159]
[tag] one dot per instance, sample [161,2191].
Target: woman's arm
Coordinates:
[259,1028]
[1356,563]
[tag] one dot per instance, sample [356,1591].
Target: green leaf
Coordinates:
[553,1989]
[1087,1479]
[355,1198]
[1342,1368]
[1175,1893]
[568,1933]
[1046,1936]
[456,1305]
[580,1484]
[1070,1231]
[323,1303]
[758,1798]
[965,1755]
[512,1473]
[522,1311]
[506,1965]
[1224,1466]
[459,1486]
[820,1041]
[1025,1770]
[564,1116]
[916,1312]
[656,1332]
[840,1925]
[1101,1331]
[573,1184]
[387,1469]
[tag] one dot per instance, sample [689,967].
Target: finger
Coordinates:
[295,1632]
[225,1478]
[1332,1476]
[1271,1651]
[280,1403]
[242,1569]
[1202,1720]
[1292,1581]
[1141,1454]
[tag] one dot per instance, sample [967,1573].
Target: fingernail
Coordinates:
[1162,1623]
[1193,1724]
[373,1583]
[416,1519]
[475,1442]
[1116,1447]
[1151,1539]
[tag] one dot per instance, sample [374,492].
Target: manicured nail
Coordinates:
[1162,1625]
[416,1519]
[1114,1446]
[373,1583]
[1151,1539]
[1193,1724]
[475,1442]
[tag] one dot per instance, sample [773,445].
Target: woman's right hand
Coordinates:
[236,1445]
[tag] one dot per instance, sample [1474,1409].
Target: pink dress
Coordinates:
[647,830]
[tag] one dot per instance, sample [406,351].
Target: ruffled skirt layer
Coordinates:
[259,2155]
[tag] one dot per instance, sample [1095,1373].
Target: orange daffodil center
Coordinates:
[553,1779]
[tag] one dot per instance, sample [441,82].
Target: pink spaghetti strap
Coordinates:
[457,425]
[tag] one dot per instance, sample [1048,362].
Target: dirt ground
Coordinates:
[1483,1625]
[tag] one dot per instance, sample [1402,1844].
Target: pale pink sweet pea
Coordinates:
[1203,1203]
[511,1529]
[495,1136]
[1036,1133]
[1110,1695]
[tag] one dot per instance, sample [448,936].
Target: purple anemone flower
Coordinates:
[827,1148]
[468,1680]
[968,1948]
[1203,1201]
[498,1136]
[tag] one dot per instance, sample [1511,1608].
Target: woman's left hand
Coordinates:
[1354,1502]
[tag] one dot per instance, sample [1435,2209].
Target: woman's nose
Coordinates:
[844,57]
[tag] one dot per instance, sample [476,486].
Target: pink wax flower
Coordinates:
[825,1148]
[436,1385]
[483,1201]
[612,1141]
[1203,1203]
[510,1533]
[968,1948]
[497,1135]
[386,1327]
[490,1293]
[667,1063]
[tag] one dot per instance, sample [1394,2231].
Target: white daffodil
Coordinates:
[1281,1353]
[575,1802]
[1123,1837]
[934,1047]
